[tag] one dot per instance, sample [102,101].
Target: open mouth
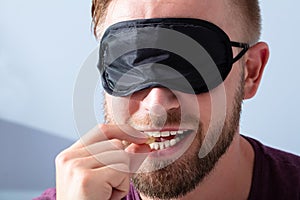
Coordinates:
[166,139]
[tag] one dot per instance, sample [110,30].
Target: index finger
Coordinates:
[104,132]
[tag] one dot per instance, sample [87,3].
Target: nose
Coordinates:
[159,98]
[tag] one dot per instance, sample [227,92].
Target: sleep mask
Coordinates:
[189,55]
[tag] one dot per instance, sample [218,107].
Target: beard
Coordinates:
[170,179]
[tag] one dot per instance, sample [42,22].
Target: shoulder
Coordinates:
[49,194]
[274,157]
[276,173]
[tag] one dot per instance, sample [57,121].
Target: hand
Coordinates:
[97,166]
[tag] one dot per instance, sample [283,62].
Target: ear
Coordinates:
[256,60]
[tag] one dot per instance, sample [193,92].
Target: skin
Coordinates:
[80,175]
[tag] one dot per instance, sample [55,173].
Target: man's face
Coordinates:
[208,120]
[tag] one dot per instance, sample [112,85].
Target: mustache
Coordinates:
[171,118]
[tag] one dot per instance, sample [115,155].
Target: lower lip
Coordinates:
[179,147]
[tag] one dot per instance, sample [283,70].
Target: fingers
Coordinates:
[97,165]
[86,151]
[116,179]
[106,132]
[100,149]
[109,158]
[133,156]
[108,145]
[105,153]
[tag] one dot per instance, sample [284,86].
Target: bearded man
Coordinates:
[175,73]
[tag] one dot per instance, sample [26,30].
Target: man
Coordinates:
[182,140]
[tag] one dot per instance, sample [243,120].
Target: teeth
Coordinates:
[173,132]
[161,145]
[179,135]
[151,146]
[173,142]
[155,134]
[165,144]
[156,145]
[165,133]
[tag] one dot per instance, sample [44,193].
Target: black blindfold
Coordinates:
[189,55]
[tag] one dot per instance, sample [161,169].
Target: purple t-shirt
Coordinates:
[276,176]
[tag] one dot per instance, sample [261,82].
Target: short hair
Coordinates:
[248,14]
[98,11]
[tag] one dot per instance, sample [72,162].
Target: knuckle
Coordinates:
[62,158]
[103,128]
[75,164]
[85,177]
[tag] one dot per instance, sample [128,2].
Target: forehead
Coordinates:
[215,11]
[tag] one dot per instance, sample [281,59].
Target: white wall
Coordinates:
[42,46]
[273,115]
[44,43]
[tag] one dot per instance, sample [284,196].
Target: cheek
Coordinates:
[205,109]
[132,106]
[233,85]
[213,106]
[118,109]
[198,106]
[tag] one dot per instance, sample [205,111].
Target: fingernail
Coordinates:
[125,143]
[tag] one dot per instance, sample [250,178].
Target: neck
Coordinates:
[231,177]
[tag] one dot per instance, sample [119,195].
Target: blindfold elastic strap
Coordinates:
[244,47]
